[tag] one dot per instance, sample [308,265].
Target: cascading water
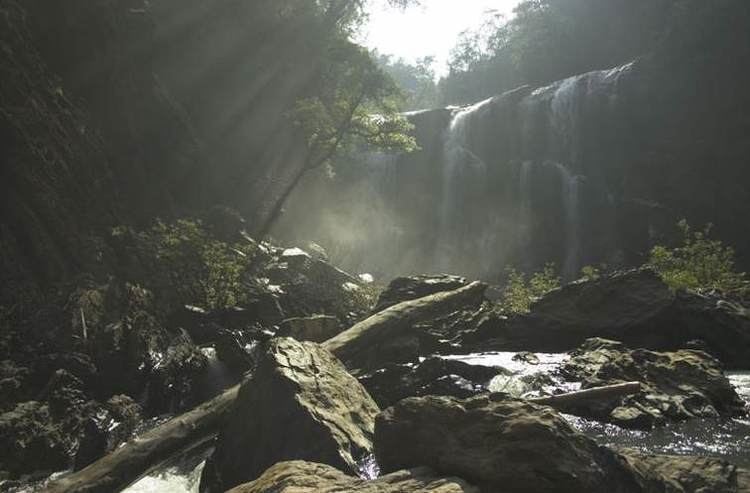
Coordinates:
[459,162]
[523,178]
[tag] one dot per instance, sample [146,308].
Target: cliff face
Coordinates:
[119,112]
[594,168]
[55,180]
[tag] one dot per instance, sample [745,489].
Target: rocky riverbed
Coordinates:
[401,398]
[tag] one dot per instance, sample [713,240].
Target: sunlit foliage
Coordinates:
[698,263]
[522,290]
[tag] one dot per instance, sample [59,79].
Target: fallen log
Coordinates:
[138,457]
[383,326]
[570,399]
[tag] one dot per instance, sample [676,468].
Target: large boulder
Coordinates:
[676,385]
[508,445]
[298,476]
[411,288]
[300,403]
[634,307]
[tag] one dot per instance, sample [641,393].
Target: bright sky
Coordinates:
[430,29]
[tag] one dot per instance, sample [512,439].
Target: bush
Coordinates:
[185,264]
[521,292]
[699,263]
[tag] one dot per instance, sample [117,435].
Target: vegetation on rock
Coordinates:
[698,263]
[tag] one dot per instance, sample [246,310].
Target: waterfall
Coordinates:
[570,195]
[459,163]
[525,225]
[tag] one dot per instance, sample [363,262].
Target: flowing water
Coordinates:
[725,438]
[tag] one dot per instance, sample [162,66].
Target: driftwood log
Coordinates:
[572,399]
[351,345]
[138,457]
[143,454]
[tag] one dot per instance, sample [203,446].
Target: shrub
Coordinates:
[520,292]
[590,273]
[699,263]
[185,264]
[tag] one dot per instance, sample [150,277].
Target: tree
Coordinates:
[354,102]
[416,81]
[547,40]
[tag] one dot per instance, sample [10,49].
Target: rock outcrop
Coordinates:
[298,476]
[300,403]
[506,445]
[634,307]
[676,385]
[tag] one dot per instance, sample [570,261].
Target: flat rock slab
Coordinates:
[308,477]
[301,404]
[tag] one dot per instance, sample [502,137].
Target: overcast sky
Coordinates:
[431,29]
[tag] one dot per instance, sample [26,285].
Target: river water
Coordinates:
[724,438]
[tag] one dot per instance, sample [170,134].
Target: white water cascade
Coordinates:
[459,162]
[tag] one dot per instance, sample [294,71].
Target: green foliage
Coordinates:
[356,103]
[184,264]
[699,263]
[590,273]
[415,81]
[548,40]
[521,291]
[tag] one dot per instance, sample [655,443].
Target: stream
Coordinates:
[725,438]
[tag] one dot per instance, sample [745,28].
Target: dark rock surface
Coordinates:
[411,288]
[31,442]
[687,474]
[433,376]
[298,476]
[300,403]
[634,307]
[506,445]
[676,385]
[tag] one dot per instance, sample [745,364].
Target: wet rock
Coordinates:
[634,307]
[232,352]
[171,380]
[411,288]
[687,474]
[506,445]
[526,357]
[433,376]
[261,312]
[523,385]
[317,328]
[31,441]
[300,403]
[677,385]
[297,476]
[309,286]
[103,431]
